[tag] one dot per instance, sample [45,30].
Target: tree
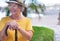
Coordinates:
[34,6]
[7,11]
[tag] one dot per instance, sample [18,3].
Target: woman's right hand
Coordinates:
[2,33]
[2,36]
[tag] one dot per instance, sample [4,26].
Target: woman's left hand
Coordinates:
[13,25]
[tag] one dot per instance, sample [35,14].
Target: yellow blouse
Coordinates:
[24,23]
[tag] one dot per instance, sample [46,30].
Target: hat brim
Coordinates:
[11,2]
[15,3]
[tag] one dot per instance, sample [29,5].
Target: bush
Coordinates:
[42,34]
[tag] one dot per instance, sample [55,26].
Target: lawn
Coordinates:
[42,34]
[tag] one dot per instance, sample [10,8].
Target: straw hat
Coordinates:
[19,2]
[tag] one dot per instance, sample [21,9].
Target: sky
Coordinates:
[46,2]
[49,2]
[2,3]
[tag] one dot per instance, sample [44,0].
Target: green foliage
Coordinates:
[34,7]
[7,11]
[42,7]
[42,34]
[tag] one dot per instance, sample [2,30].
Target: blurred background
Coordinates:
[41,12]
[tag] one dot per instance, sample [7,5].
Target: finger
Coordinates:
[14,27]
[10,27]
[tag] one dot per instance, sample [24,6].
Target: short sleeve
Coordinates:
[1,24]
[29,25]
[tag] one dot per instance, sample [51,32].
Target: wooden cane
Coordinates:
[15,33]
[6,30]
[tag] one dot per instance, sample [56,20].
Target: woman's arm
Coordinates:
[3,35]
[26,34]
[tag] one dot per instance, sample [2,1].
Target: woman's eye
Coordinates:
[14,6]
[9,5]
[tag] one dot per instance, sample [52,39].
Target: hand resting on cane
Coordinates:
[4,31]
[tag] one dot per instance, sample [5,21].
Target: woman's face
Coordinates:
[14,8]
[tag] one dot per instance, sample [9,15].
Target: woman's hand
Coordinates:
[2,36]
[3,33]
[12,25]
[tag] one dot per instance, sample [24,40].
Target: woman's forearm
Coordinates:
[2,34]
[26,34]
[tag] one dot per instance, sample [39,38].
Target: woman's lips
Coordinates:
[13,11]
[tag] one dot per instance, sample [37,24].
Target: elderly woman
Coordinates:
[16,21]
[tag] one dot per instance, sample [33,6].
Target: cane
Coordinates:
[15,33]
[6,30]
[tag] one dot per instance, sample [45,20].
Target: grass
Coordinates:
[42,34]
